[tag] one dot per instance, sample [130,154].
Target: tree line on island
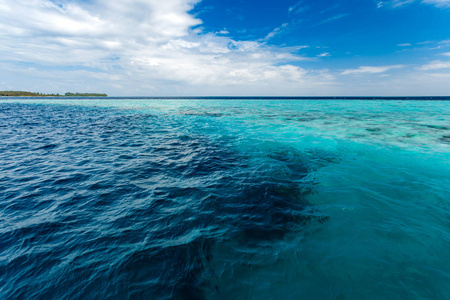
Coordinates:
[32,94]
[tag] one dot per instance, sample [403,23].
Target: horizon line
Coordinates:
[247,97]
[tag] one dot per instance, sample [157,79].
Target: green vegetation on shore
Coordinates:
[31,94]
[25,94]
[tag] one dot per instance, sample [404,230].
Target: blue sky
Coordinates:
[233,48]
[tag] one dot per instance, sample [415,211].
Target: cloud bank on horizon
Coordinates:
[213,47]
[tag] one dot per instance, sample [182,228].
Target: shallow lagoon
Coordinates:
[224,199]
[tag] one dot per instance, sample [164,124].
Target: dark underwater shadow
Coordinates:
[143,204]
[252,201]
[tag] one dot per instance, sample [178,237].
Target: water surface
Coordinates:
[224,199]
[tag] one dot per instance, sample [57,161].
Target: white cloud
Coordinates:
[370,70]
[140,47]
[276,31]
[398,3]
[401,3]
[297,8]
[149,47]
[411,83]
[325,54]
[330,8]
[393,3]
[404,45]
[440,3]
[435,65]
[333,18]
[446,54]
[223,32]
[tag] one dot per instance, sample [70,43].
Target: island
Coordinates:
[85,95]
[33,94]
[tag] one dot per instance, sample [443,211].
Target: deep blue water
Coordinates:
[224,199]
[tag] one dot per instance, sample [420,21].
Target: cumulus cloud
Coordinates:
[370,70]
[141,47]
[153,47]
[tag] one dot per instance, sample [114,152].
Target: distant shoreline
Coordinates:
[104,96]
[34,94]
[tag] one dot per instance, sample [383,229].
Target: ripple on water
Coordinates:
[224,199]
[100,203]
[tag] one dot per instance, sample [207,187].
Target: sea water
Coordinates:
[224,199]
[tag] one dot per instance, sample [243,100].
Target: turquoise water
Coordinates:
[224,199]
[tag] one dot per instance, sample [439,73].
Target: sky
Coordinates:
[226,47]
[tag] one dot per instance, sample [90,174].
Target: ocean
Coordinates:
[224,199]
